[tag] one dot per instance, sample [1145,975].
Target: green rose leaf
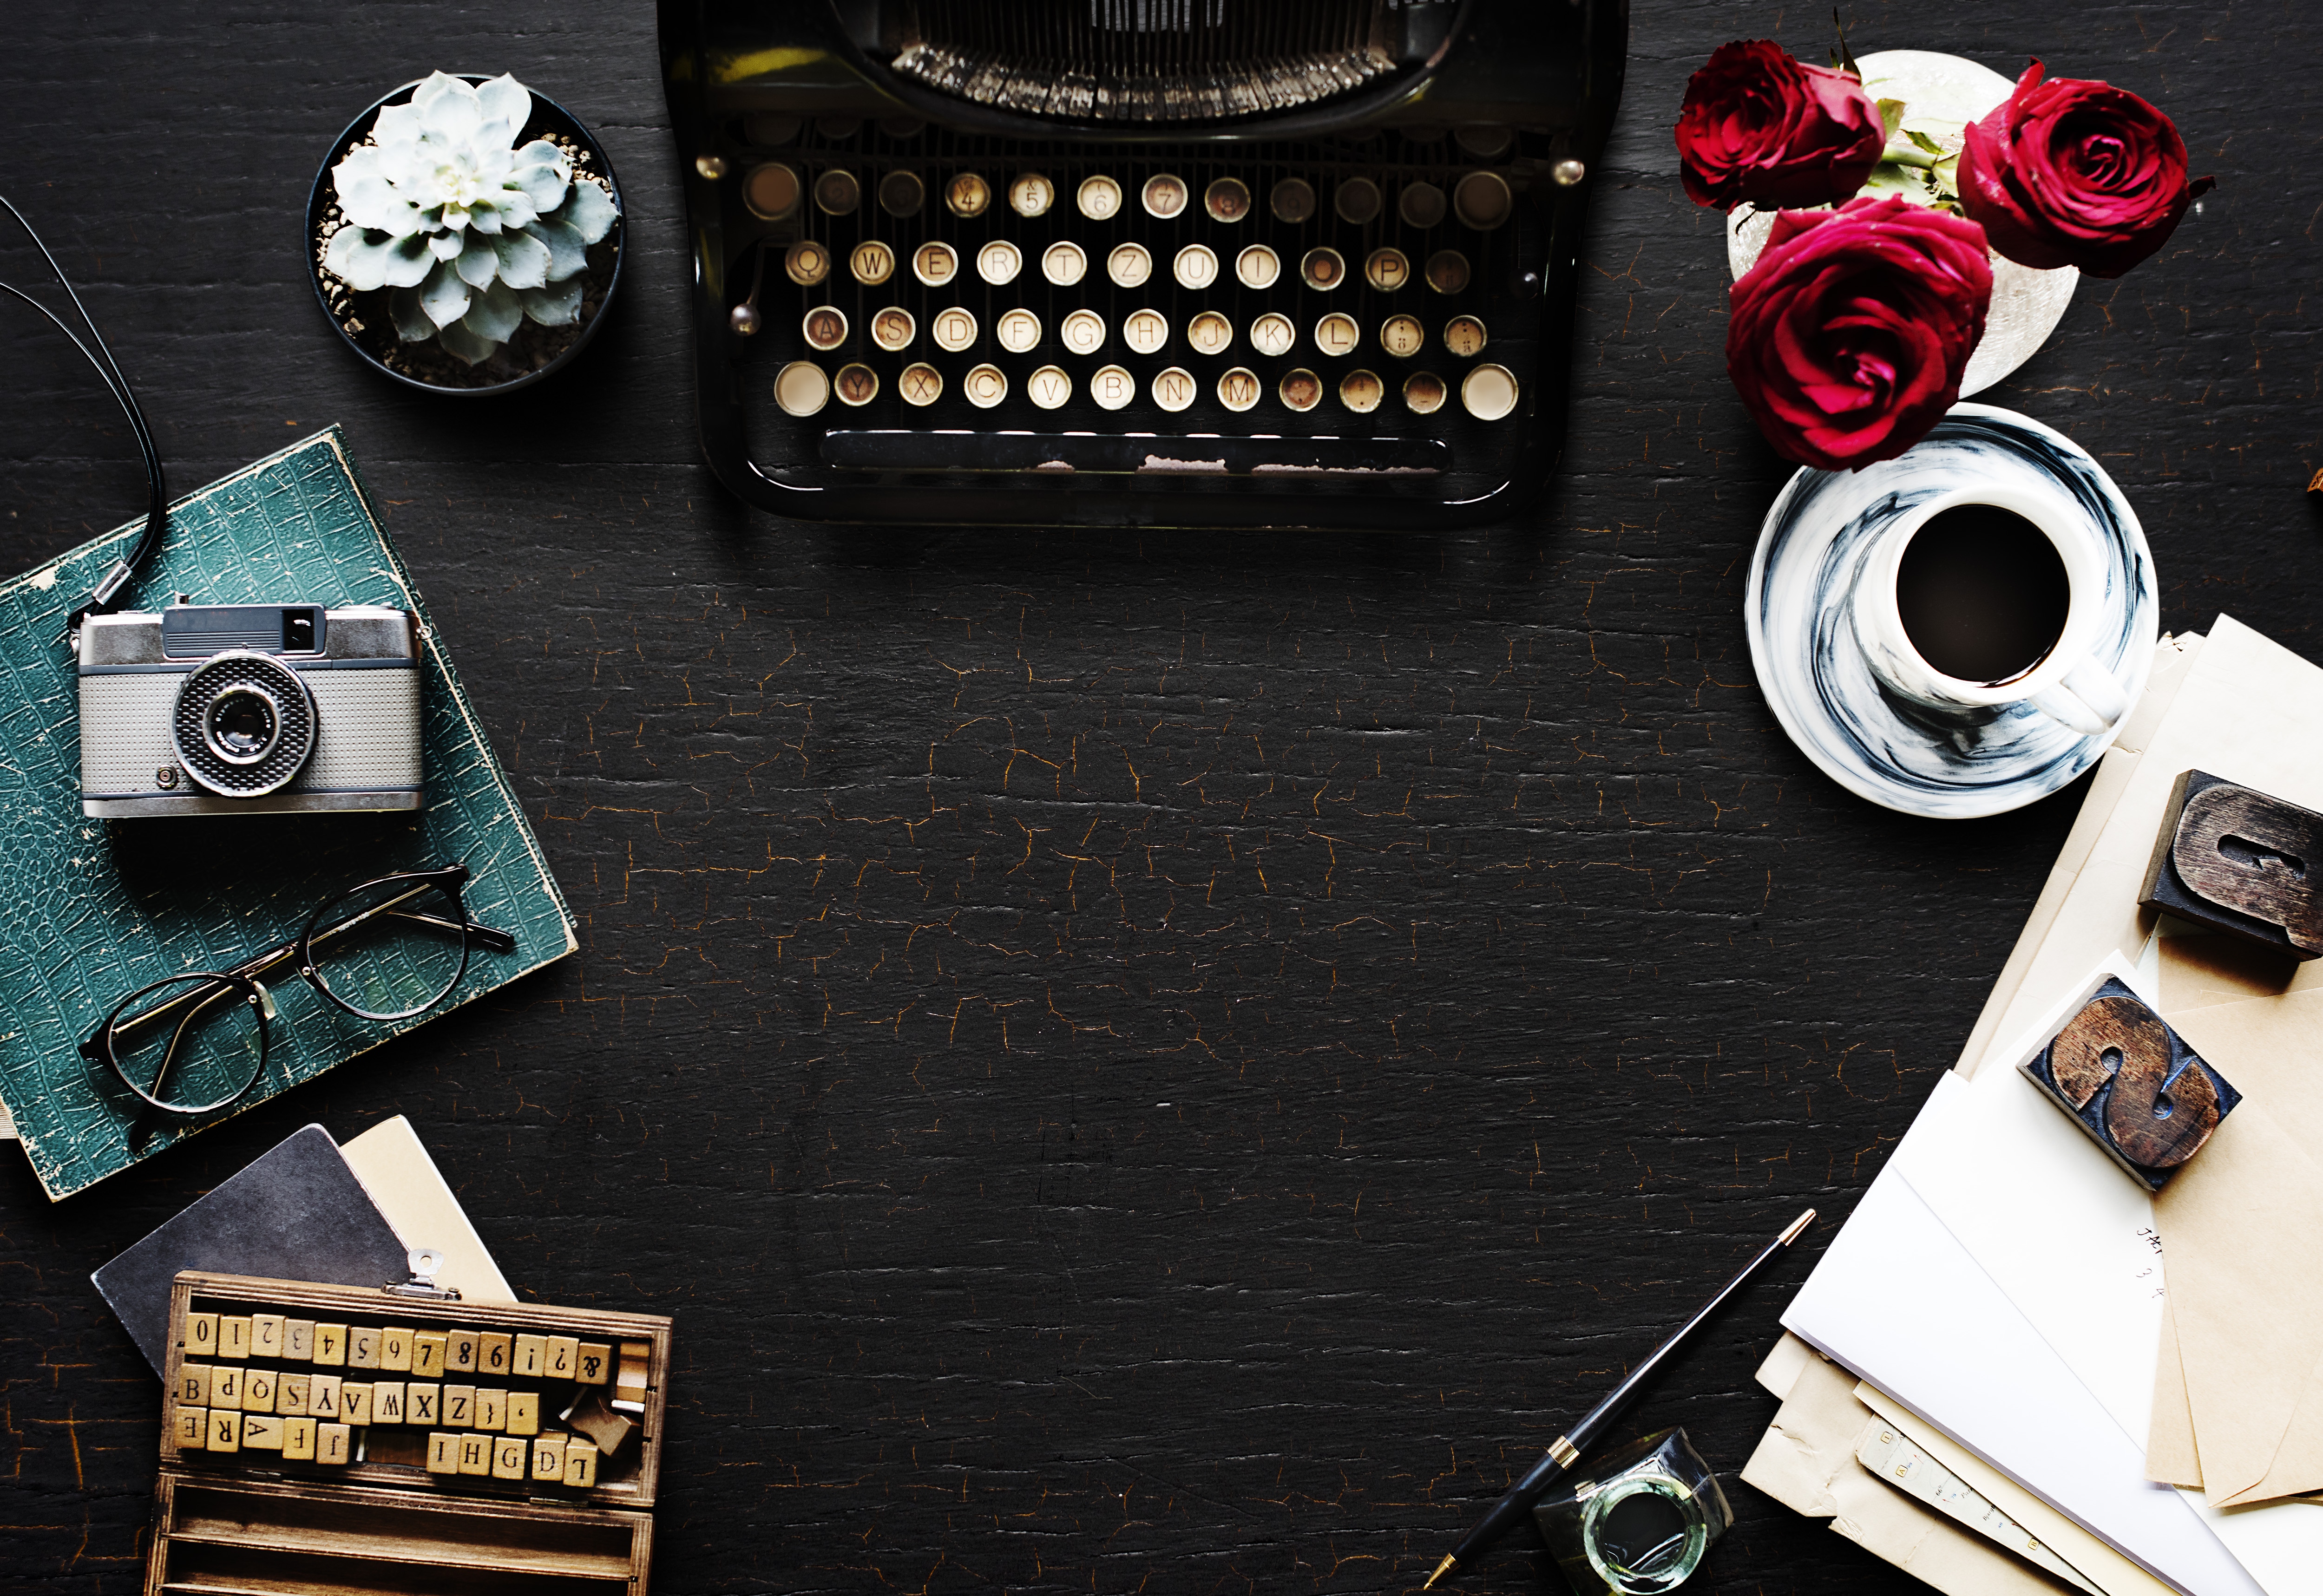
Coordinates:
[1925,142]
[1891,115]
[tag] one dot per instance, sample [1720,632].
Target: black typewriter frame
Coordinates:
[1491,67]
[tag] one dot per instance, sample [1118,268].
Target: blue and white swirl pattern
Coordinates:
[1945,764]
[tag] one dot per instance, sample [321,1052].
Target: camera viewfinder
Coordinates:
[297,631]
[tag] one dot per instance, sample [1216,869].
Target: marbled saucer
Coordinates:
[1922,761]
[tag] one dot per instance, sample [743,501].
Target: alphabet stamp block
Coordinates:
[2132,1083]
[2236,860]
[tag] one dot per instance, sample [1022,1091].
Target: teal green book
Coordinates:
[92,909]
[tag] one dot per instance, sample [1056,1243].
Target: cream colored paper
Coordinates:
[404,1181]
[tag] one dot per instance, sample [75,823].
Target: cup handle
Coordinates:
[2088,700]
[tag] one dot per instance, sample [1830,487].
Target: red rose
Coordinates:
[1758,126]
[2074,172]
[1849,336]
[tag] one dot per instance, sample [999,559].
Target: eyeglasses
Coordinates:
[391,948]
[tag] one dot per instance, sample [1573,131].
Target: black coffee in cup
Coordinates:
[1982,592]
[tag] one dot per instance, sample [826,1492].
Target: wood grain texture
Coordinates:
[1136,1062]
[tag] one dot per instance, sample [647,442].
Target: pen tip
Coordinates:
[1440,1569]
[1791,1231]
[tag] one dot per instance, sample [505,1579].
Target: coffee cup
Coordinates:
[1986,597]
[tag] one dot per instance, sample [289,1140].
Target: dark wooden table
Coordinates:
[1165,1062]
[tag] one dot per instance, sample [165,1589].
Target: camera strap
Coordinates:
[107,594]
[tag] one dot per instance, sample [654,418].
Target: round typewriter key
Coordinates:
[837,193]
[1239,389]
[1322,268]
[1292,200]
[872,262]
[806,262]
[771,192]
[1099,198]
[1402,336]
[1360,391]
[1064,265]
[999,262]
[856,384]
[1129,265]
[920,384]
[1032,195]
[764,127]
[1173,390]
[1387,270]
[893,329]
[1272,333]
[1447,271]
[1145,331]
[1482,200]
[1209,332]
[1257,267]
[1423,393]
[985,386]
[902,194]
[1338,335]
[1049,387]
[953,330]
[1426,133]
[1112,388]
[838,129]
[967,195]
[1019,330]
[1165,197]
[801,389]
[1464,335]
[1357,200]
[1083,332]
[1226,200]
[1489,392]
[1301,390]
[825,327]
[1196,267]
[935,265]
[1485,143]
[1421,204]
[902,127]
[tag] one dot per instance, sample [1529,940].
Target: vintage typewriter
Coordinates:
[1138,262]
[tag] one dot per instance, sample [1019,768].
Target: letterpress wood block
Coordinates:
[630,1383]
[354,1401]
[443,1455]
[493,1355]
[460,1406]
[257,1390]
[460,1352]
[523,1413]
[323,1397]
[194,1384]
[492,1407]
[331,1345]
[225,1386]
[395,1349]
[299,1440]
[298,1340]
[590,1416]
[511,1453]
[580,1464]
[2132,1083]
[226,1430]
[596,1363]
[262,1432]
[193,1426]
[234,1336]
[531,1358]
[423,1403]
[201,1335]
[476,1455]
[548,1458]
[266,1335]
[362,1347]
[290,1394]
[387,1401]
[2238,861]
[427,1354]
[333,1442]
[564,1357]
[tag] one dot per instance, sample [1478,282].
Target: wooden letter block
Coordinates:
[531,1358]
[580,1465]
[460,1352]
[427,1354]
[226,1430]
[443,1455]
[299,1440]
[257,1390]
[193,1426]
[2132,1085]
[611,1431]
[262,1432]
[395,1349]
[323,1396]
[460,1405]
[524,1413]
[354,1402]
[2237,861]
[234,1336]
[194,1384]
[333,1442]
[423,1403]
[225,1386]
[387,1401]
[475,1454]
[548,1458]
[298,1340]
[266,1335]
[630,1383]
[564,1357]
[362,1347]
[596,1365]
[291,1392]
[511,1453]
[331,1346]
[494,1355]
[201,1335]
[492,1407]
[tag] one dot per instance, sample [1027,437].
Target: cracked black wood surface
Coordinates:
[1155,1062]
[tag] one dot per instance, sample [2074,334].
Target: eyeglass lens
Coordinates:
[390,949]
[190,1043]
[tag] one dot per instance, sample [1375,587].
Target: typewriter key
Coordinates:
[1173,390]
[826,328]
[1272,333]
[1083,332]
[1387,270]
[1402,336]
[1423,393]
[1447,271]
[1129,265]
[1464,335]
[935,265]
[1301,390]
[967,195]
[1165,197]
[856,384]
[1292,200]
[1360,391]
[1099,198]
[837,129]
[1485,143]
[1357,200]
[1482,200]
[893,329]
[953,330]
[1322,268]
[1209,332]
[1489,392]
[1064,265]
[1239,389]
[801,389]
[771,192]
[1048,388]
[985,386]
[999,262]
[806,262]
[1257,267]
[1226,200]
[1112,388]
[1019,330]
[920,384]
[837,193]
[764,127]
[1032,195]
[902,194]
[900,128]
[1338,335]
[1421,204]
[1145,331]
[872,262]
[1196,267]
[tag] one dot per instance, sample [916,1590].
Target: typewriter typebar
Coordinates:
[1138,262]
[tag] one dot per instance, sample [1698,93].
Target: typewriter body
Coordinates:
[1138,262]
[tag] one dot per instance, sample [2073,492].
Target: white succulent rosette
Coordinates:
[471,234]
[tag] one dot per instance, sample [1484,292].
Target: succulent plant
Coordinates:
[472,235]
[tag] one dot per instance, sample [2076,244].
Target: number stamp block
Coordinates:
[2235,860]
[2132,1083]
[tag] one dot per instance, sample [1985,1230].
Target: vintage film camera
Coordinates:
[249,708]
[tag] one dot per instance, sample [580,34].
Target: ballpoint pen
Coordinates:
[1566,1449]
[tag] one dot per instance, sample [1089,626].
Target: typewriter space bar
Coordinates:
[1140,453]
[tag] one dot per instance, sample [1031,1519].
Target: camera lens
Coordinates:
[241,725]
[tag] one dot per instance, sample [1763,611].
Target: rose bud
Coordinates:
[1849,336]
[2074,172]
[1758,126]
